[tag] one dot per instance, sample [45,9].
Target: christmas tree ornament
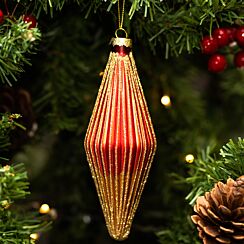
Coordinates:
[220,213]
[239,36]
[209,45]
[30,19]
[221,36]
[217,63]
[239,59]
[1,16]
[120,142]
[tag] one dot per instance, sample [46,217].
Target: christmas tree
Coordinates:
[189,57]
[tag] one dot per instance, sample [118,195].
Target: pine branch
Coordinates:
[174,26]
[13,183]
[207,170]
[233,156]
[180,28]
[48,5]
[177,26]
[16,41]
[16,227]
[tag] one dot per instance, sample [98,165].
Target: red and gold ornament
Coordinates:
[120,142]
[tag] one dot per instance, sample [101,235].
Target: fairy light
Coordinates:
[5,204]
[189,158]
[34,236]
[53,213]
[44,209]
[6,168]
[86,219]
[165,100]
[29,36]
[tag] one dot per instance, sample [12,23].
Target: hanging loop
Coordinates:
[121,30]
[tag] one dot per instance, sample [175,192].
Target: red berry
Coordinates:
[217,63]
[240,36]
[30,19]
[209,45]
[222,37]
[231,33]
[239,59]
[1,16]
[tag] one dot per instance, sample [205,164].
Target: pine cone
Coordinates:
[220,213]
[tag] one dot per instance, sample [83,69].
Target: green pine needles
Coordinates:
[208,170]
[15,225]
[178,26]
[16,42]
[13,184]
[175,26]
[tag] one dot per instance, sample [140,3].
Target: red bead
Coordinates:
[239,36]
[239,59]
[209,45]
[222,37]
[30,19]
[1,16]
[217,63]
[231,33]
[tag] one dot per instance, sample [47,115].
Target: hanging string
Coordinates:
[121,13]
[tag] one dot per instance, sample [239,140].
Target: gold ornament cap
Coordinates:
[121,41]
